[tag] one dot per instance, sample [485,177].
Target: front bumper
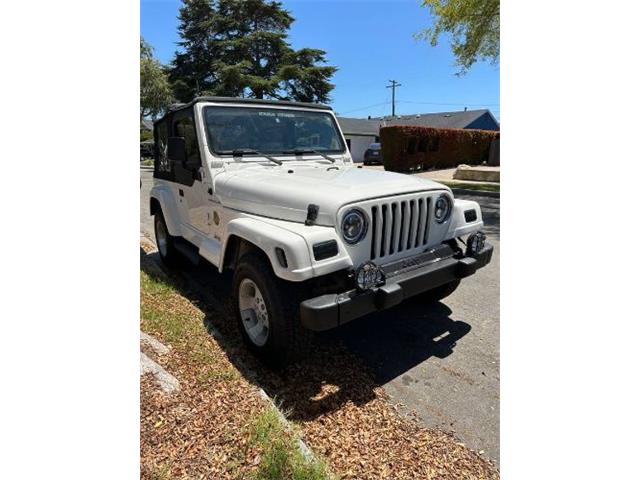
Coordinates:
[404,279]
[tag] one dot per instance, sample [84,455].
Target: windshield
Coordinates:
[271,130]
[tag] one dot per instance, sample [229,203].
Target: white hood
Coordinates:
[274,192]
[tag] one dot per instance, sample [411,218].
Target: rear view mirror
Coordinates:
[177,150]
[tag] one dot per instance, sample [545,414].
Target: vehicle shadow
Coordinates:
[393,341]
[344,365]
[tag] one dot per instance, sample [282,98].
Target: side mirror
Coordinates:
[177,150]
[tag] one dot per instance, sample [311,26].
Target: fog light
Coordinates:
[369,276]
[475,243]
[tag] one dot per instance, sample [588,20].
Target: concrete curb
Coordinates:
[307,453]
[144,167]
[480,193]
[168,383]
[158,347]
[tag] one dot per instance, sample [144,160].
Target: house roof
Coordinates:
[359,126]
[460,119]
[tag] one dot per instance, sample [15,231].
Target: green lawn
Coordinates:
[281,458]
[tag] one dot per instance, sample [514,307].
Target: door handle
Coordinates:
[181,192]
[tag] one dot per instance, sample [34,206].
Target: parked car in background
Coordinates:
[373,155]
[146,149]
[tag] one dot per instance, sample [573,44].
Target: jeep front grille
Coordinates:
[398,226]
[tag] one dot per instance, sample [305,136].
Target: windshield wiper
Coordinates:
[300,151]
[239,152]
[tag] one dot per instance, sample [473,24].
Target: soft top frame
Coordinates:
[250,101]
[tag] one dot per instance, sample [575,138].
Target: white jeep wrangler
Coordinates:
[268,190]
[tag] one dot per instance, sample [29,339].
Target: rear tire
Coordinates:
[268,311]
[438,293]
[165,242]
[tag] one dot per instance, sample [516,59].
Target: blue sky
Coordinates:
[371,42]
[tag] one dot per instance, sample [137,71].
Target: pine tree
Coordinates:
[251,45]
[305,80]
[191,72]
[240,48]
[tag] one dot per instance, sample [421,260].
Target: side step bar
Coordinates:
[187,250]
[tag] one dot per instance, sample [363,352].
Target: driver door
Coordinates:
[190,182]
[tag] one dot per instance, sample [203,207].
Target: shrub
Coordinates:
[406,148]
[145,134]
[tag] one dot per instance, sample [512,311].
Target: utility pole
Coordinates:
[393,86]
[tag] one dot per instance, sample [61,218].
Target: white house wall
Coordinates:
[359,144]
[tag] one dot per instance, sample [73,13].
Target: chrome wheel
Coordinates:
[253,312]
[161,237]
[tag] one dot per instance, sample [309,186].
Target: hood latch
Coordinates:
[312,214]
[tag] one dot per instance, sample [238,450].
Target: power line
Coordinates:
[393,86]
[364,108]
[456,104]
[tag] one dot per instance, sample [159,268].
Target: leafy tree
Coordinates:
[155,91]
[239,48]
[474,26]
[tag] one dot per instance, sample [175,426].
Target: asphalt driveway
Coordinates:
[440,361]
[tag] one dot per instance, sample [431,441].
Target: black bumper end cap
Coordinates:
[320,313]
[389,295]
[467,266]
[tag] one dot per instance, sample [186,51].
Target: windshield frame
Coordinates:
[225,153]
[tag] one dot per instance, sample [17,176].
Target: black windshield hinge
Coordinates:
[312,214]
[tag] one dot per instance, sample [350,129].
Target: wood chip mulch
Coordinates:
[348,419]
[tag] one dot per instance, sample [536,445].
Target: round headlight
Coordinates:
[354,226]
[443,208]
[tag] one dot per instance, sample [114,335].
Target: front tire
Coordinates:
[268,311]
[165,242]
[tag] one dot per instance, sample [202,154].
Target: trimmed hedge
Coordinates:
[406,148]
